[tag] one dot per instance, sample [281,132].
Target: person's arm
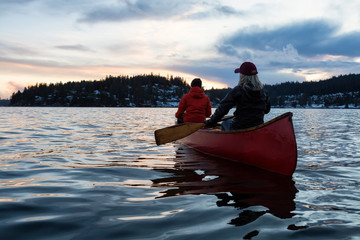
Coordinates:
[208,109]
[181,108]
[225,105]
[268,105]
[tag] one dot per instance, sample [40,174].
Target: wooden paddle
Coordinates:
[173,133]
[176,132]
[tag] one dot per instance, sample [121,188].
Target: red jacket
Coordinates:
[195,106]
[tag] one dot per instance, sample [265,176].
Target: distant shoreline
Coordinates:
[273,107]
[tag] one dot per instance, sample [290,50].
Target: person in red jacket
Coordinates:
[194,106]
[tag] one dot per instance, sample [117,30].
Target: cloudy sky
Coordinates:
[72,40]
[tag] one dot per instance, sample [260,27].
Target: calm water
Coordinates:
[96,173]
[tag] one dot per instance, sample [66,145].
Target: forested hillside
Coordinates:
[341,91]
[158,91]
[121,91]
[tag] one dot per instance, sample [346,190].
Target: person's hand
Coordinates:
[180,120]
[209,123]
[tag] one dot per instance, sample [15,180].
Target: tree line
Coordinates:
[158,91]
[120,91]
[340,91]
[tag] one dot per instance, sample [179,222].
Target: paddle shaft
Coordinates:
[176,132]
[173,133]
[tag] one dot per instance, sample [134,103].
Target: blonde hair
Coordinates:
[250,82]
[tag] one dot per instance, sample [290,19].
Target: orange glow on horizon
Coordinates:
[20,75]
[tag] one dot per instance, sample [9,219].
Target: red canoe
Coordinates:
[270,146]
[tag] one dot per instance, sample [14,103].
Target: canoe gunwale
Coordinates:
[287,114]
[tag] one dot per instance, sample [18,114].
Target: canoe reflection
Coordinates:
[234,184]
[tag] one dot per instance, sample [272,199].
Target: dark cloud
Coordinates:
[227,10]
[126,10]
[312,64]
[216,11]
[230,50]
[156,9]
[309,38]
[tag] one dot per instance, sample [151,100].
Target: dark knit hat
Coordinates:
[196,82]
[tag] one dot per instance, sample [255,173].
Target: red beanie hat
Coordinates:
[247,68]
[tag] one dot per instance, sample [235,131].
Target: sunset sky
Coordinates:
[72,40]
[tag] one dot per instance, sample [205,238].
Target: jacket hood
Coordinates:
[196,92]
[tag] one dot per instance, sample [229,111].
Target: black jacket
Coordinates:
[251,105]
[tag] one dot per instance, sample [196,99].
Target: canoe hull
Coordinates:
[270,146]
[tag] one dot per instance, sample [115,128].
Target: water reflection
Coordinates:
[252,190]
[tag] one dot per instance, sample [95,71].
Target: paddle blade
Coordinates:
[173,133]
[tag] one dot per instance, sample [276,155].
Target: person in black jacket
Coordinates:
[251,102]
